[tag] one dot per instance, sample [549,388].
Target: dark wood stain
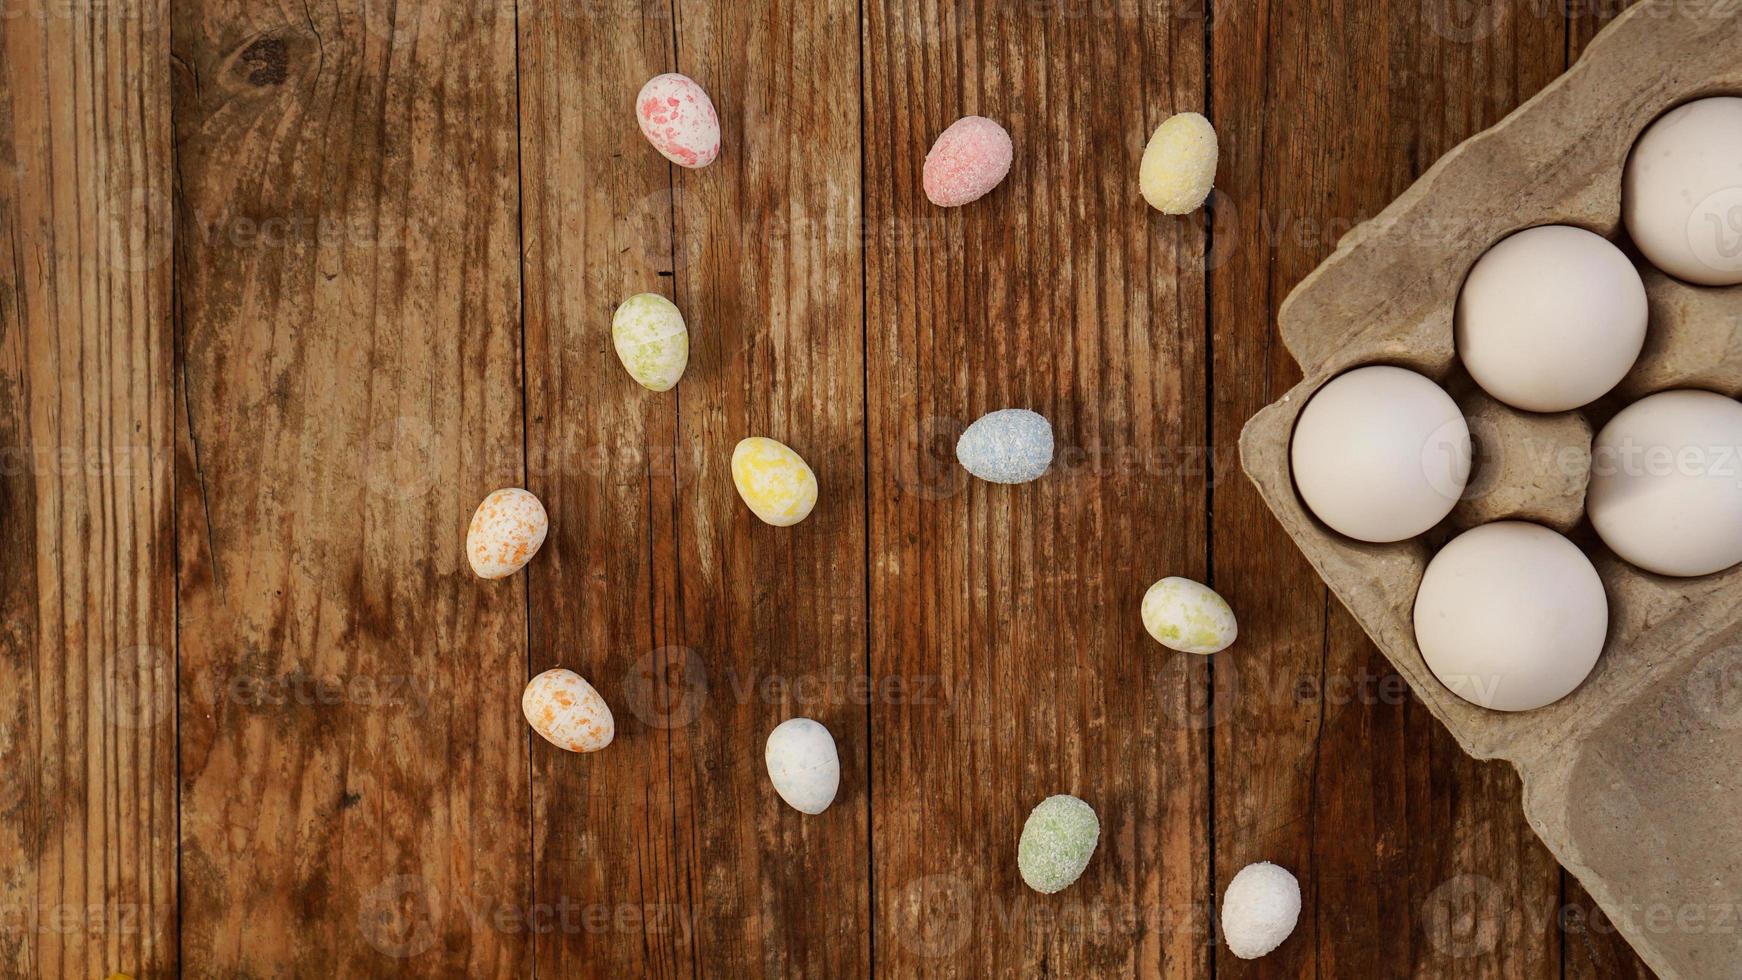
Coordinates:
[392,292]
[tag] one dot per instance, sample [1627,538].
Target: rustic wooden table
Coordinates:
[288,288]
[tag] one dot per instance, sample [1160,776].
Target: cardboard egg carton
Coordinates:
[1634,779]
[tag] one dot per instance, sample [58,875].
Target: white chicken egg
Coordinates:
[803,764]
[1681,197]
[1666,483]
[1551,318]
[563,708]
[1381,454]
[507,529]
[1511,616]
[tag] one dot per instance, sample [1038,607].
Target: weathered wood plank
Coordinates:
[1065,293]
[612,838]
[1415,859]
[709,628]
[355,795]
[87,601]
[776,615]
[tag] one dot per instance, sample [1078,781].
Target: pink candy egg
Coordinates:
[678,118]
[967,161]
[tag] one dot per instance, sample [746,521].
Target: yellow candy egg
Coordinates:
[1179,164]
[651,340]
[562,707]
[774,481]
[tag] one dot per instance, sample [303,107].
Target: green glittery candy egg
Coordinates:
[1057,842]
[651,340]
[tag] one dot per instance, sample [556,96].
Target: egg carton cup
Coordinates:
[1634,779]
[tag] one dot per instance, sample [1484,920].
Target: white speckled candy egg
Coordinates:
[774,481]
[803,764]
[561,706]
[651,340]
[1179,164]
[969,158]
[1183,615]
[1259,910]
[1058,840]
[678,118]
[506,531]
[1013,445]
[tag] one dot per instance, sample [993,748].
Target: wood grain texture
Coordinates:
[1416,859]
[355,789]
[710,628]
[236,464]
[1064,293]
[772,275]
[87,603]
[609,830]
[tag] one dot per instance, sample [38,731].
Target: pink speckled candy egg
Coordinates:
[967,161]
[507,530]
[678,118]
[561,706]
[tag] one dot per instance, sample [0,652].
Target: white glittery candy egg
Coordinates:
[678,118]
[1013,445]
[651,340]
[563,708]
[774,481]
[1179,164]
[1189,617]
[803,764]
[506,531]
[1058,839]
[969,158]
[1259,909]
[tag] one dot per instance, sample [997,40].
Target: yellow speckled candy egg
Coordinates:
[1186,616]
[774,481]
[507,530]
[1179,164]
[561,706]
[651,340]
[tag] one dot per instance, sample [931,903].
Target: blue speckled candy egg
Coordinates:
[1013,445]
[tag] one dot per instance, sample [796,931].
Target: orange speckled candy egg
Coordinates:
[561,706]
[507,530]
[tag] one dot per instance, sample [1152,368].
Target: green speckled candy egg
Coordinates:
[1057,842]
[1185,616]
[651,340]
